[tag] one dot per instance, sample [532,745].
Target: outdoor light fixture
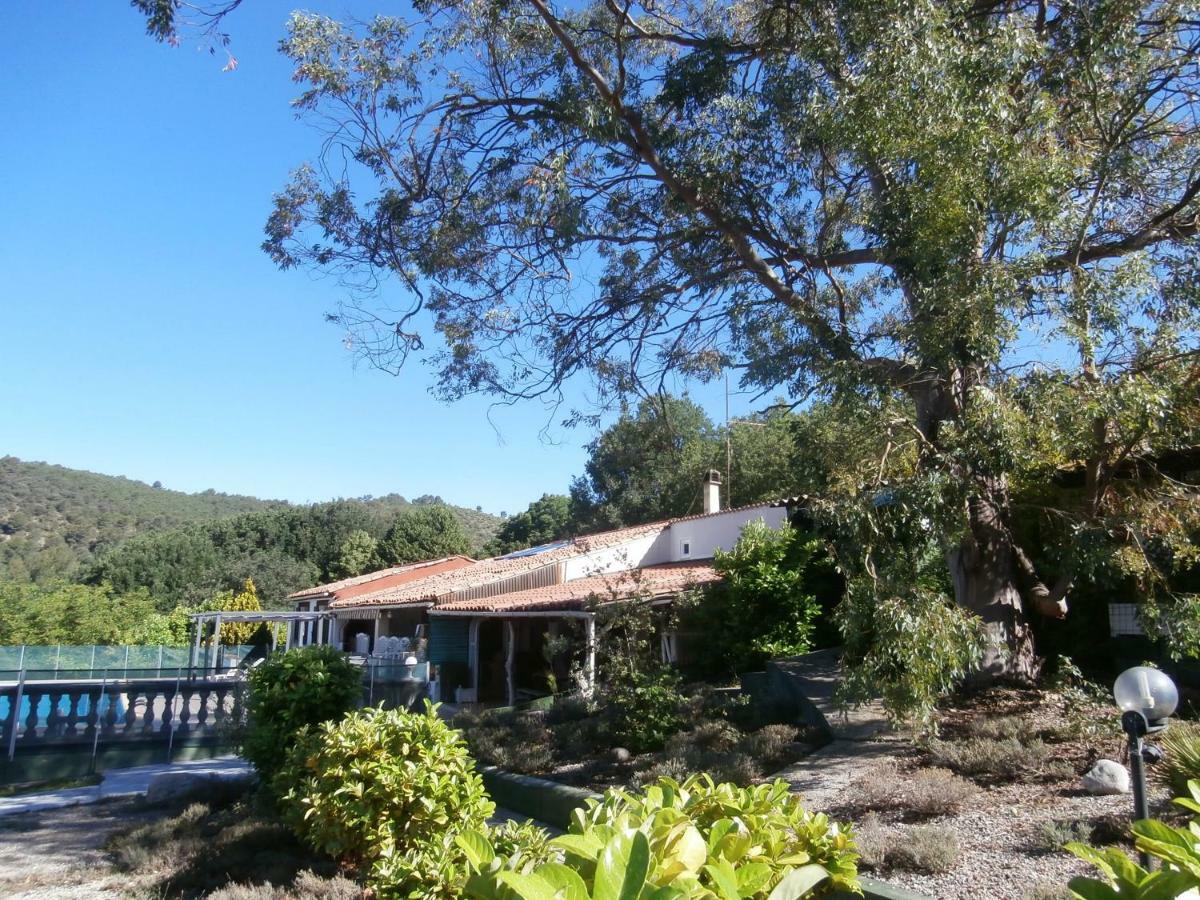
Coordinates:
[1146,697]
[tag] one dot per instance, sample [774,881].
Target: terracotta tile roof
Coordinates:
[660,580]
[437,586]
[384,578]
[440,586]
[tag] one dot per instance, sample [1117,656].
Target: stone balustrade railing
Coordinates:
[157,709]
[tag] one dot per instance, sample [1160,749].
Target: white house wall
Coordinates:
[706,535]
[641,551]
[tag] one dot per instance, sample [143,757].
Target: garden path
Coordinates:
[861,737]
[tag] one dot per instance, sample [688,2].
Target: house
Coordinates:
[487,621]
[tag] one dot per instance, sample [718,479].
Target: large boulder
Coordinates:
[1106,777]
[212,787]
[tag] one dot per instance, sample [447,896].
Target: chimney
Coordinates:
[712,491]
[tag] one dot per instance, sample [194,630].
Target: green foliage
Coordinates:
[288,692]
[644,709]
[59,613]
[1175,849]
[246,600]
[287,549]
[55,521]
[427,532]
[913,649]
[358,554]
[765,608]
[647,466]
[388,791]
[1181,744]
[691,840]
[547,519]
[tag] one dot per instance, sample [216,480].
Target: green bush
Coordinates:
[1181,743]
[926,848]
[691,840]
[765,608]
[387,791]
[644,709]
[290,691]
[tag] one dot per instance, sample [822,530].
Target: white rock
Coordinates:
[1106,777]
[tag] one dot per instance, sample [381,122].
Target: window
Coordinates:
[685,547]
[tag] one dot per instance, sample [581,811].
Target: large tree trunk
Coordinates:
[985,577]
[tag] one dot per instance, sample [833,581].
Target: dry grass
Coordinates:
[306,886]
[203,848]
[924,794]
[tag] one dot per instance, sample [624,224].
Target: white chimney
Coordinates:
[712,491]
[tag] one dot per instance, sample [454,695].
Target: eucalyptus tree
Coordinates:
[972,223]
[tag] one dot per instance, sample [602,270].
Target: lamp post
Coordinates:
[1146,697]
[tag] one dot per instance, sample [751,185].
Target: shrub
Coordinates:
[695,839]
[872,839]
[644,709]
[1053,836]
[387,791]
[937,792]
[1002,728]
[518,742]
[1181,742]
[765,608]
[707,737]
[290,691]
[584,737]
[927,848]
[570,708]
[772,745]
[1047,891]
[1005,758]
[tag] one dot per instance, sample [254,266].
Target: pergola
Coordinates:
[303,628]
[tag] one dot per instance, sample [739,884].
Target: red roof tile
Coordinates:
[382,579]
[437,586]
[648,582]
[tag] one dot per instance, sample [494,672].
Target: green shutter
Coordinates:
[449,639]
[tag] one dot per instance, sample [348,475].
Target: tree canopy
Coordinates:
[974,225]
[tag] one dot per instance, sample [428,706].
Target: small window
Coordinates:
[685,547]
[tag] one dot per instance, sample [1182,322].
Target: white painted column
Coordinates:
[198,626]
[589,631]
[510,661]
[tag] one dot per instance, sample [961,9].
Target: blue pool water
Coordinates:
[64,706]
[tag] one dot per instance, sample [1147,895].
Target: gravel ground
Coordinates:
[59,855]
[998,829]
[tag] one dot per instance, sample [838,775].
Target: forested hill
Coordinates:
[57,522]
[53,520]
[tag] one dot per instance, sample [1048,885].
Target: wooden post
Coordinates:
[589,629]
[510,659]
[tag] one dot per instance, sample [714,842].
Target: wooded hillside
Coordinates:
[57,522]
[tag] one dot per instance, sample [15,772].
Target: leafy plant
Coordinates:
[1181,744]
[291,691]
[644,709]
[1053,836]
[388,791]
[766,607]
[1177,849]
[691,840]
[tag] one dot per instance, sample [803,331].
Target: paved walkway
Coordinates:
[861,737]
[130,782]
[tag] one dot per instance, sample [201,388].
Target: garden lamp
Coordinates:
[1146,697]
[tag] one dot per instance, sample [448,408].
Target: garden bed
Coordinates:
[588,746]
[983,809]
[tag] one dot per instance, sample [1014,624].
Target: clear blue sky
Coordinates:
[142,331]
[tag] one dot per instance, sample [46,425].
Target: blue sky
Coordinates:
[143,333]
